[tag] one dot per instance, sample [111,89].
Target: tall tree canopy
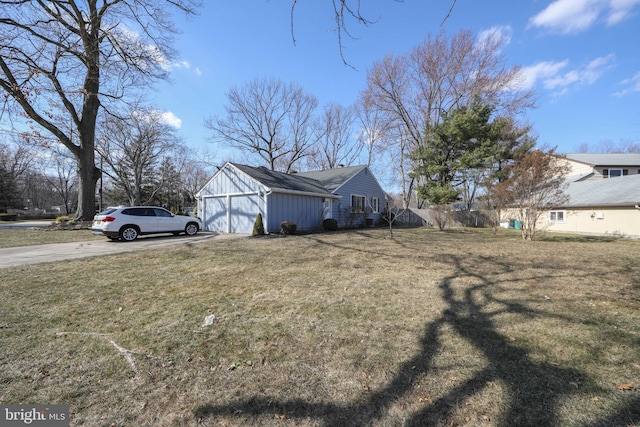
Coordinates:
[411,92]
[269,118]
[62,61]
[532,184]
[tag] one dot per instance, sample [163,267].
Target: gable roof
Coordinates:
[607,159]
[332,179]
[283,182]
[619,191]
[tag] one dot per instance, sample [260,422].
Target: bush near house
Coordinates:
[330,224]
[258,226]
[288,227]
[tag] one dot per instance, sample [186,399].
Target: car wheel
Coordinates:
[191,229]
[129,233]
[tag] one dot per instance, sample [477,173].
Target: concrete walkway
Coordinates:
[24,255]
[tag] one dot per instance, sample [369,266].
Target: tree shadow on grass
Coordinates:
[534,389]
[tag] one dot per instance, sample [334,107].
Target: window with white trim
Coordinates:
[557,216]
[614,173]
[357,203]
[374,205]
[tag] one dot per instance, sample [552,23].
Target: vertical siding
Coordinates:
[229,180]
[231,202]
[362,184]
[304,211]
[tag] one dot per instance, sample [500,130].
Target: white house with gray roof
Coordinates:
[236,194]
[603,196]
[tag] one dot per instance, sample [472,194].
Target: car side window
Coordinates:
[162,212]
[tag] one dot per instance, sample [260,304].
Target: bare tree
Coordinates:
[343,12]
[132,151]
[60,172]
[534,184]
[15,162]
[608,146]
[61,61]
[335,144]
[413,91]
[268,118]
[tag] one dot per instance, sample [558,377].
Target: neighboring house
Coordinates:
[236,194]
[585,166]
[603,196]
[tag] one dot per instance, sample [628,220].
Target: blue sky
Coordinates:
[582,58]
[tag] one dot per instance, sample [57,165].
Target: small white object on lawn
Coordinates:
[208,320]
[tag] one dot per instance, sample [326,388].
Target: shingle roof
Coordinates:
[619,191]
[607,159]
[282,181]
[331,179]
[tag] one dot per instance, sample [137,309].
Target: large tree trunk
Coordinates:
[88,175]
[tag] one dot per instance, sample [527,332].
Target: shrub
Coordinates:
[64,219]
[330,224]
[258,226]
[8,217]
[288,227]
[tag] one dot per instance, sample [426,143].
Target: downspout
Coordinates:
[638,207]
[265,217]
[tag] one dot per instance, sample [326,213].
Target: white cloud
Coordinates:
[620,9]
[572,16]
[186,65]
[633,85]
[529,76]
[585,76]
[171,119]
[552,75]
[500,33]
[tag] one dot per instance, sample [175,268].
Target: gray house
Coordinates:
[233,197]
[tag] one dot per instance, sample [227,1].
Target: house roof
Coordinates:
[280,181]
[619,191]
[332,179]
[607,159]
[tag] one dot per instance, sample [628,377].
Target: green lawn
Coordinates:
[434,328]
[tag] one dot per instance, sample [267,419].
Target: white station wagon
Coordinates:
[127,223]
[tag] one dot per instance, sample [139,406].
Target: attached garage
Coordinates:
[233,198]
[231,213]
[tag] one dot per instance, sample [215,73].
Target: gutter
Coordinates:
[303,193]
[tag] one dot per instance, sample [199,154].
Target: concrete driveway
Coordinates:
[23,255]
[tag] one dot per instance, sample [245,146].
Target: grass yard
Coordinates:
[30,237]
[459,328]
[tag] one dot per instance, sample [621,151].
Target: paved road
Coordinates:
[4,225]
[23,255]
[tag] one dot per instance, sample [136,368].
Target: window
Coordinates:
[613,173]
[374,204]
[556,216]
[357,203]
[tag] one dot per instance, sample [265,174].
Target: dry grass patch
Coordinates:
[30,237]
[430,328]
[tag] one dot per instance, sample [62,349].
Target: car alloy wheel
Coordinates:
[191,229]
[129,233]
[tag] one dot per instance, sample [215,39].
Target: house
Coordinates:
[585,166]
[236,194]
[603,196]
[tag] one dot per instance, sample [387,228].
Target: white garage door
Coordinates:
[231,214]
